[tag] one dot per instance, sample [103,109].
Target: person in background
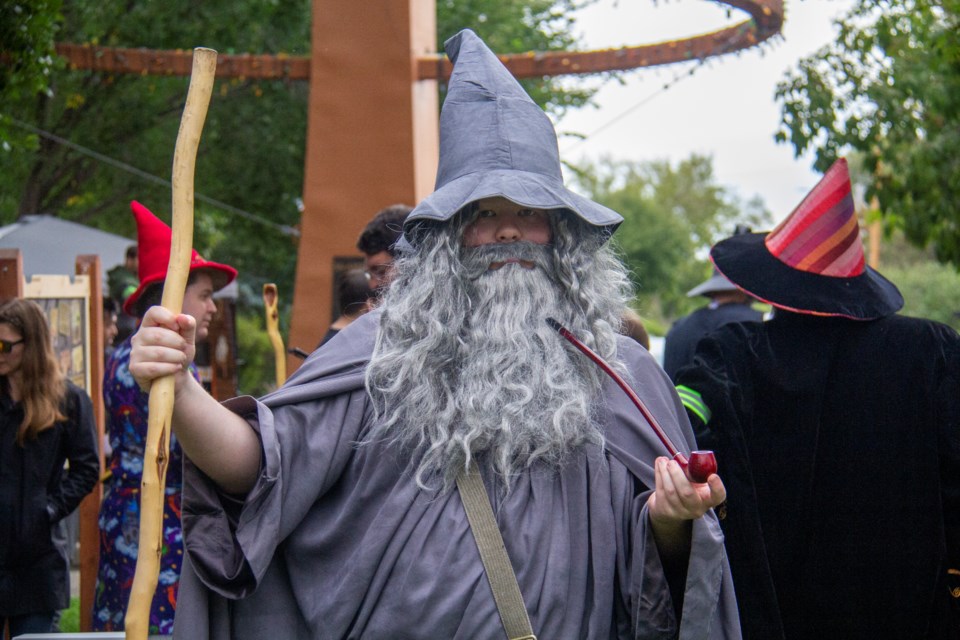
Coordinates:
[727,304]
[353,298]
[125,405]
[45,422]
[122,280]
[851,410]
[110,328]
[378,242]
[633,327]
[331,508]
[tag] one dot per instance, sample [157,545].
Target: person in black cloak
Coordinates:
[331,508]
[851,410]
[727,304]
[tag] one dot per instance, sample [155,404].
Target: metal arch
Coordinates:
[766,18]
[765,21]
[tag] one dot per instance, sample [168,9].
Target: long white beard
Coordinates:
[466,365]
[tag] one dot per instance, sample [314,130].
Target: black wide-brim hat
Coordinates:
[812,263]
[496,142]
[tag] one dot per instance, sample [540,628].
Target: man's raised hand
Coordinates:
[163,345]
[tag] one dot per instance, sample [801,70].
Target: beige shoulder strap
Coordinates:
[496,563]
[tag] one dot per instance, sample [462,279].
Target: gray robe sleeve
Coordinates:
[323,406]
[231,542]
[709,606]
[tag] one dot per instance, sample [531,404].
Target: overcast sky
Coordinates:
[725,109]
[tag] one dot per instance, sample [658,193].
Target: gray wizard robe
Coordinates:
[335,540]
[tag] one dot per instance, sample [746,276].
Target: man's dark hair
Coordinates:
[153,294]
[353,291]
[383,231]
[110,306]
[132,252]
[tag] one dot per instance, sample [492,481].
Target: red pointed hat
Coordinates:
[812,262]
[153,240]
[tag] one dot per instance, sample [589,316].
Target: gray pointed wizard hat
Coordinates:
[496,141]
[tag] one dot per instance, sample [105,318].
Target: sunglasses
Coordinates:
[6,346]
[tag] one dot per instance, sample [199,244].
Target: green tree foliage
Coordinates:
[27,58]
[90,142]
[672,215]
[889,87]
[110,137]
[930,289]
[256,373]
[255,132]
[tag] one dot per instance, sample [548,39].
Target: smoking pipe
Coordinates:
[701,463]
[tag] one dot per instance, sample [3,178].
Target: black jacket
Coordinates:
[36,492]
[682,339]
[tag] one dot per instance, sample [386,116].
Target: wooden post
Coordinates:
[874,234]
[89,265]
[11,286]
[272,319]
[221,346]
[372,138]
[11,274]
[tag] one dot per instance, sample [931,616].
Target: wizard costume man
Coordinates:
[331,508]
[127,406]
[838,426]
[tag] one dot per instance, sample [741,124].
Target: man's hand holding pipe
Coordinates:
[675,502]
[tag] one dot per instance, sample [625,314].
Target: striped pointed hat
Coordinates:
[812,262]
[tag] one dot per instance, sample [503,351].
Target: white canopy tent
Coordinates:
[50,245]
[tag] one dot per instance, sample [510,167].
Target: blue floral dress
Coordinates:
[125,405]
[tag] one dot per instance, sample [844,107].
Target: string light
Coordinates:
[149,177]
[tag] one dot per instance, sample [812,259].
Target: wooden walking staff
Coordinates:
[157,446]
[270,298]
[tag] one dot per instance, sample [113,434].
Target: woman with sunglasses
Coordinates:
[45,421]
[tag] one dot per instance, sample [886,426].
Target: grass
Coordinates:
[70,618]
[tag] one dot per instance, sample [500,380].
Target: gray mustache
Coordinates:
[477,260]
